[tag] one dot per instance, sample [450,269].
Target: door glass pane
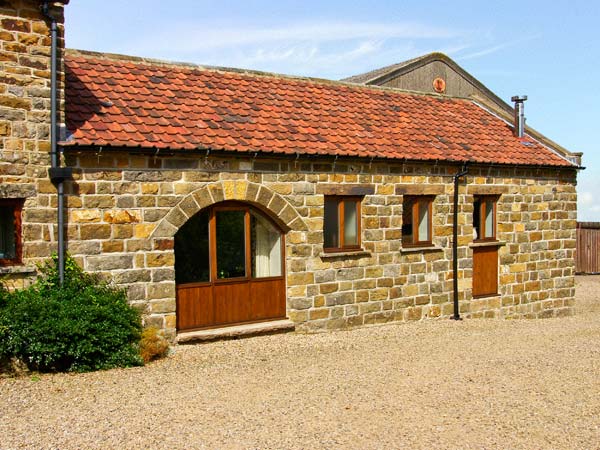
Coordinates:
[489,219]
[477,219]
[191,250]
[350,223]
[331,219]
[423,221]
[231,239]
[265,248]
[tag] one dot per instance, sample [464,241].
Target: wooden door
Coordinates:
[588,248]
[485,271]
[195,308]
[229,268]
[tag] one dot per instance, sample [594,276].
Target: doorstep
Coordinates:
[236,331]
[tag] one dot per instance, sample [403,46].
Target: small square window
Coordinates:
[341,226]
[484,218]
[416,220]
[10,231]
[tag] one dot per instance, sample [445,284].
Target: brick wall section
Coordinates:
[25,123]
[126,208]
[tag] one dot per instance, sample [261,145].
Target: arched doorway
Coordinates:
[229,268]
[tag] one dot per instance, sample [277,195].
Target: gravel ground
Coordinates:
[439,384]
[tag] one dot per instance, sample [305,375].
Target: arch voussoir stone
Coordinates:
[235,190]
[202,197]
[189,206]
[176,217]
[240,190]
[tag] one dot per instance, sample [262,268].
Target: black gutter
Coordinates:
[456,177]
[345,158]
[57,174]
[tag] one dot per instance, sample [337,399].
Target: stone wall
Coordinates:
[25,127]
[124,210]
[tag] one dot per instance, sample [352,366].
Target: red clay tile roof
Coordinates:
[121,103]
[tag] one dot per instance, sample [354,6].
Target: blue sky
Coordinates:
[549,51]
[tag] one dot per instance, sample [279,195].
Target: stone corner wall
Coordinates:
[25,47]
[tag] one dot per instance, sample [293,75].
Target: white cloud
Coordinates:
[328,49]
[325,49]
[496,48]
[192,38]
[311,55]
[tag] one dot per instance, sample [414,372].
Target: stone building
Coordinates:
[219,197]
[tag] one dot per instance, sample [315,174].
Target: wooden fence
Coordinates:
[588,247]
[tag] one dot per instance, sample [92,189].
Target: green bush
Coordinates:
[81,326]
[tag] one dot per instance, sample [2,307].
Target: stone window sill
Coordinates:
[486,296]
[17,269]
[424,248]
[355,254]
[487,244]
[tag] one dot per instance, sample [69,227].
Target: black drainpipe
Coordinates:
[457,177]
[57,174]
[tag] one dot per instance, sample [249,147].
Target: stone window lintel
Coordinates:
[420,189]
[345,189]
[492,189]
[17,190]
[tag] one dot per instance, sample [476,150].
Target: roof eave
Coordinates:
[202,151]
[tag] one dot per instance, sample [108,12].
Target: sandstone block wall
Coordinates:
[25,127]
[124,210]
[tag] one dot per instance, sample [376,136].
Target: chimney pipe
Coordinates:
[519,125]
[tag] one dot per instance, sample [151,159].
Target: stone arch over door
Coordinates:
[260,196]
[192,299]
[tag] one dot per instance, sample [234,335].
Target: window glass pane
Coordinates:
[191,250]
[266,247]
[489,219]
[331,223]
[477,219]
[424,221]
[231,239]
[350,223]
[7,233]
[407,220]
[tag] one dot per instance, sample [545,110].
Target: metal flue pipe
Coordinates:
[519,125]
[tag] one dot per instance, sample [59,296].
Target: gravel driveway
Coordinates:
[437,384]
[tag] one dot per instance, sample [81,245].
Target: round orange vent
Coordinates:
[439,85]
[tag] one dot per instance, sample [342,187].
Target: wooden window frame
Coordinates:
[341,201]
[483,201]
[419,199]
[17,208]
[212,245]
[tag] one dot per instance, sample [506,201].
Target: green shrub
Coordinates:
[81,326]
